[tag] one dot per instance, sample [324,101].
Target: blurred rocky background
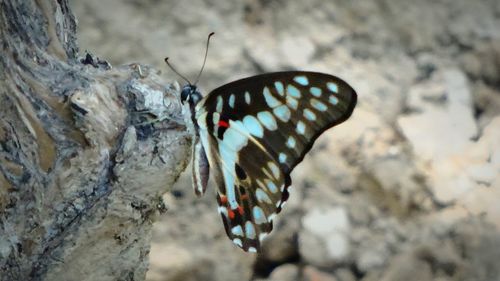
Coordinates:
[407,189]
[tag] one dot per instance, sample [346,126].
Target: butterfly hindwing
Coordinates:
[255,131]
[250,189]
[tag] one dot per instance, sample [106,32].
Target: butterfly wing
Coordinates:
[251,186]
[255,131]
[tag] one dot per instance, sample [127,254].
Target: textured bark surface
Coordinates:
[80,175]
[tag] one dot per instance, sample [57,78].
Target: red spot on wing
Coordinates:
[240,210]
[230,213]
[223,123]
[223,199]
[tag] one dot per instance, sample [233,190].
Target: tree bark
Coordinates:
[81,173]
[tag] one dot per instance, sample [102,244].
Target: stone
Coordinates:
[396,194]
[443,123]
[296,50]
[314,274]
[312,250]
[372,258]
[323,222]
[170,262]
[286,272]
[408,268]
[477,243]
[486,102]
[468,179]
[325,231]
[281,245]
[440,130]
[344,274]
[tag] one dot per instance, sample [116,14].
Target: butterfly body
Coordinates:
[251,133]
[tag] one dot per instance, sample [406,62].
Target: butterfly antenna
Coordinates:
[205,59]
[176,72]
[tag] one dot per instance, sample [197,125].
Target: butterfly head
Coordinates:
[190,94]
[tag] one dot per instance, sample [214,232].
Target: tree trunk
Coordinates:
[82,165]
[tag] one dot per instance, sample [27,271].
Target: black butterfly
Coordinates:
[252,133]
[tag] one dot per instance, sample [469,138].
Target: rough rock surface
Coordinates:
[407,189]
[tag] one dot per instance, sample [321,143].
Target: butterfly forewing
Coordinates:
[255,131]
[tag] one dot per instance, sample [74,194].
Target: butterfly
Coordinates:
[251,133]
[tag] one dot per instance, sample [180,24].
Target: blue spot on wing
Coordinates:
[253,126]
[302,80]
[293,91]
[315,91]
[332,87]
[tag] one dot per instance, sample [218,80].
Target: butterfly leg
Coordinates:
[159,119]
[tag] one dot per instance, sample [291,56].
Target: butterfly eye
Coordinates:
[185,93]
